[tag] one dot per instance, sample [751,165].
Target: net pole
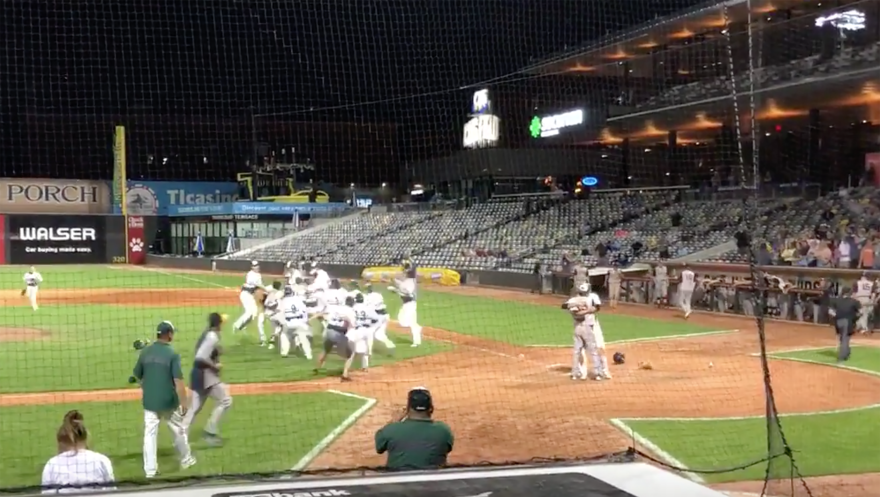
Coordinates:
[120,184]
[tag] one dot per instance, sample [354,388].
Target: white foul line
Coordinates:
[656,450]
[658,338]
[339,430]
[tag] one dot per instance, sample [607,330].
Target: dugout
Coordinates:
[214,229]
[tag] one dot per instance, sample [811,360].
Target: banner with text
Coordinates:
[153,198]
[54,196]
[56,239]
[136,244]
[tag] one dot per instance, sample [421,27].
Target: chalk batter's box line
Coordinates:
[646,339]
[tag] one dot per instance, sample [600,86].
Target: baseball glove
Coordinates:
[23,291]
[646,365]
[619,358]
[138,344]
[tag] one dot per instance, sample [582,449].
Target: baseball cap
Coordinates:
[419,399]
[164,328]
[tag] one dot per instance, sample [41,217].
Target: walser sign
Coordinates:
[54,196]
[55,239]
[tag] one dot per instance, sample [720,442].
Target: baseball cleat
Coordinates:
[687,314]
[187,463]
[212,439]
[345,378]
[271,346]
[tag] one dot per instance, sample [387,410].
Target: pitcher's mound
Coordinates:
[8,334]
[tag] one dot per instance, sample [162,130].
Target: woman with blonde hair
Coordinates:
[76,468]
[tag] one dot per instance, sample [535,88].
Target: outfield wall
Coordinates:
[39,239]
[805,299]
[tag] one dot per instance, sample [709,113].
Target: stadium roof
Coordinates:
[677,29]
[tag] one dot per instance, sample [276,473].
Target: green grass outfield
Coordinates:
[825,443]
[90,347]
[262,433]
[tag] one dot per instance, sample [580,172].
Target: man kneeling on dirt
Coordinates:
[415,441]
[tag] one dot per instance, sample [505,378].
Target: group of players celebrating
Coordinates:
[353,319]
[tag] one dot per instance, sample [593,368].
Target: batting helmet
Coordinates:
[619,358]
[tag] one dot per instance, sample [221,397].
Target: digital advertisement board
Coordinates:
[152,198]
[41,239]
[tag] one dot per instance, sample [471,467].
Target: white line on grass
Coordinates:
[166,273]
[650,339]
[775,355]
[337,432]
[761,416]
[655,449]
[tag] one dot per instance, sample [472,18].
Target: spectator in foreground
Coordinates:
[415,441]
[76,468]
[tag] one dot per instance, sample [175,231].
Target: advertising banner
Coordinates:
[153,198]
[442,276]
[54,196]
[137,248]
[56,239]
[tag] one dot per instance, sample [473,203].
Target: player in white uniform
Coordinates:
[334,296]
[341,320]
[407,317]
[270,293]
[588,335]
[271,311]
[32,280]
[377,302]
[686,290]
[864,294]
[295,318]
[361,337]
[292,272]
[252,282]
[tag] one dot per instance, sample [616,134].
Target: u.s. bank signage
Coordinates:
[552,125]
[481,131]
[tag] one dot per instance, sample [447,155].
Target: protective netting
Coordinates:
[665,153]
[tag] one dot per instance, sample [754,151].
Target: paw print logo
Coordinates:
[136,244]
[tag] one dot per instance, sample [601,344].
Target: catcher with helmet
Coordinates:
[588,337]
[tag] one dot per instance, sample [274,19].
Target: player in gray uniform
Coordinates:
[205,381]
[339,322]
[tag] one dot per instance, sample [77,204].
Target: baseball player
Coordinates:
[32,280]
[686,290]
[361,337]
[339,322]
[294,316]
[253,282]
[864,294]
[377,302]
[588,335]
[270,297]
[205,381]
[354,289]
[320,279]
[661,285]
[407,317]
[293,271]
[270,311]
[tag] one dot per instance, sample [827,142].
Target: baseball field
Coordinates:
[496,361]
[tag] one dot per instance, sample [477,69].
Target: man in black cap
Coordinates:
[164,397]
[844,311]
[415,441]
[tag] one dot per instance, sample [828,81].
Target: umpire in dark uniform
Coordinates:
[844,311]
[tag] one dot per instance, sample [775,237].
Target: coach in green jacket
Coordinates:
[416,441]
[164,396]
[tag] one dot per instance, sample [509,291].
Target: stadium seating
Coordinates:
[849,59]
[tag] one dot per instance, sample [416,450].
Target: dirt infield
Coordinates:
[10,334]
[508,403]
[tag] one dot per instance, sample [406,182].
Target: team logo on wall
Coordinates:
[141,200]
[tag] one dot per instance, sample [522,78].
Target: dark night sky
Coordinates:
[182,76]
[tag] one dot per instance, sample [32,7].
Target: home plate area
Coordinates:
[596,480]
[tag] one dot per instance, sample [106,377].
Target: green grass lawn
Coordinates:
[262,433]
[824,444]
[863,359]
